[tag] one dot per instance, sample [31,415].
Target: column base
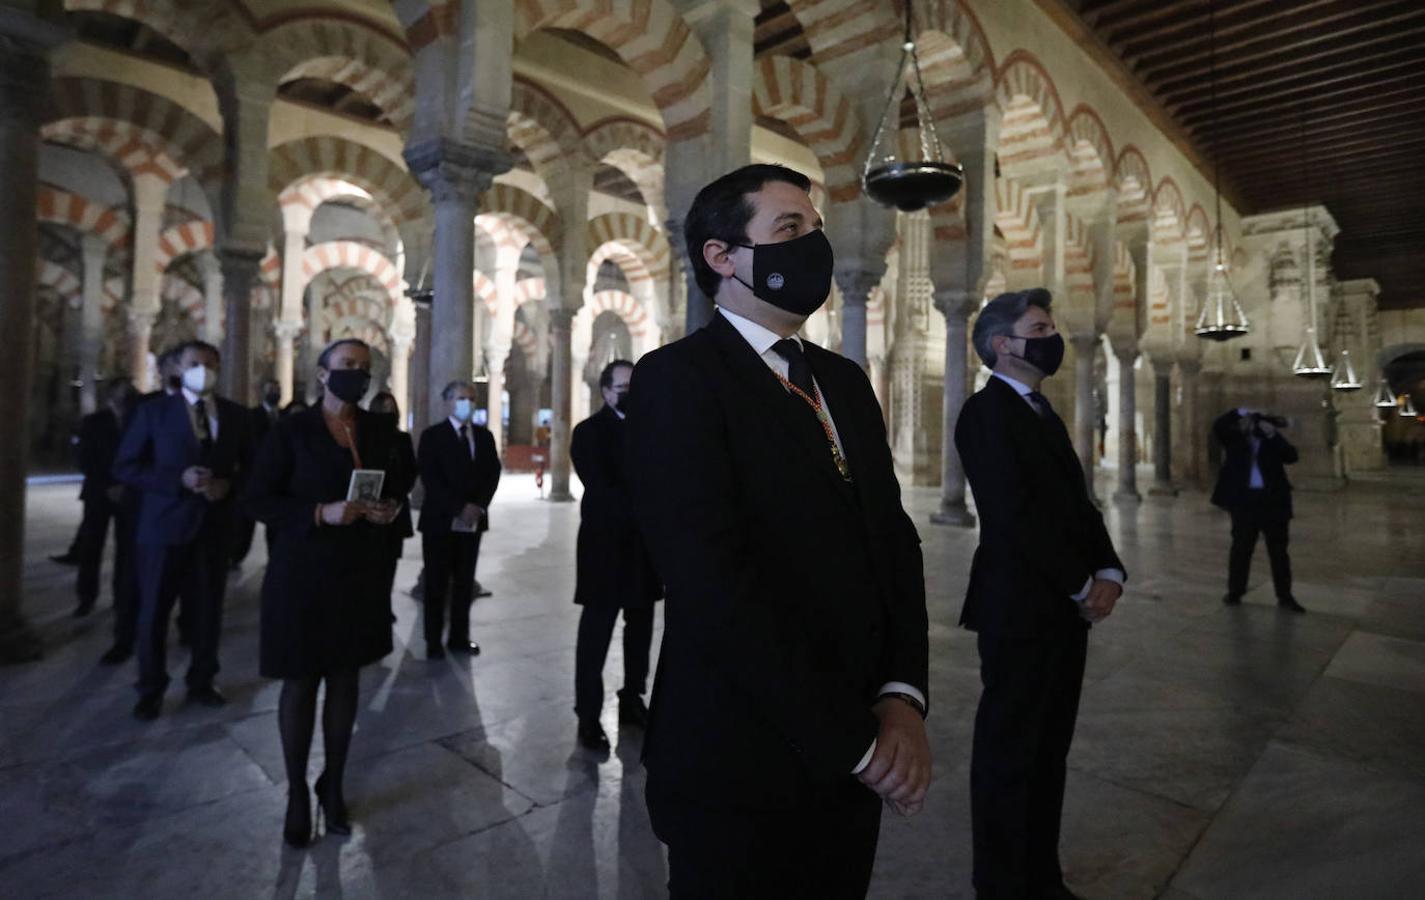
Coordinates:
[1127,497]
[1162,490]
[955,515]
[560,496]
[19,643]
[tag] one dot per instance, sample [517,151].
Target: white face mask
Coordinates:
[200,379]
[463,409]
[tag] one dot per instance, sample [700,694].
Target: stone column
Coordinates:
[420,370]
[149,194]
[856,287]
[240,270]
[289,309]
[286,335]
[1163,429]
[955,305]
[93,249]
[1127,426]
[561,322]
[25,42]
[1085,347]
[212,270]
[400,373]
[502,330]
[1192,436]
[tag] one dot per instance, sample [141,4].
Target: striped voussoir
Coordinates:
[387,181]
[352,255]
[798,93]
[1032,116]
[625,306]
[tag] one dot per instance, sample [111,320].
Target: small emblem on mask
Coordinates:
[775,281]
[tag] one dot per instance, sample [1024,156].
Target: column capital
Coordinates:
[856,285]
[454,172]
[1126,352]
[240,260]
[286,331]
[142,319]
[955,303]
[1084,341]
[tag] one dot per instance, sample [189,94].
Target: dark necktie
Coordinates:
[798,372]
[465,439]
[1041,404]
[205,433]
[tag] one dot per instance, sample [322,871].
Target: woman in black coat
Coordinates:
[325,613]
[384,403]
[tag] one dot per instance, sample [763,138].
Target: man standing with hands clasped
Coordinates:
[1044,571]
[792,682]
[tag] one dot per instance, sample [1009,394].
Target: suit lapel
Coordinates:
[1049,432]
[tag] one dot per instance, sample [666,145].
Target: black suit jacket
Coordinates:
[1041,536]
[159,445]
[452,479]
[792,596]
[259,423]
[613,565]
[99,434]
[1274,454]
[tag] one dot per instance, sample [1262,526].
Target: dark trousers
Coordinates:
[243,530]
[89,547]
[450,559]
[126,576]
[821,850]
[1247,522]
[198,570]
[1023,729]
[596,630]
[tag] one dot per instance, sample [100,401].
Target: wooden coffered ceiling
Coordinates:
[1319,101]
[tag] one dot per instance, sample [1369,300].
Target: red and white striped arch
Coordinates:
[178,292]
[625,306]
[652,38]
[529,290]
[635,149]
[390,184]
[541,127]
[60,207]
[614,232]
[1169,222]
[1134,182]
[1125,304]
[531,218]
[1078,259]
[180,240]
[486,292]
[524,338]
[1091,157]
[1199,234]
[797,93]
[1018,220]
[351,255]
[955,59]
[1032,116]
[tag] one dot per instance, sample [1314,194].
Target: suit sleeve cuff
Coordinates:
[865,760]
[901,687]
[1083,591]
[1114,575]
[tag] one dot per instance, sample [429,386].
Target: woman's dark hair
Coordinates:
[202,346]
[381,397]
[998,318]
[324,361]
[721,212]
[606,377]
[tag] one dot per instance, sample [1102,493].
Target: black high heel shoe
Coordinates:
[338,821]
[297,828]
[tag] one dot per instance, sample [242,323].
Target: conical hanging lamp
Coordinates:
[909,185]
[1343,378]
[1222,317]
[1384,398]
[1310,361]
[1407,408]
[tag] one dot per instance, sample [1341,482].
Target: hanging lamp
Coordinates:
[1384,398]
[1343,378]
[1310,361]
[422,292]
[910,185]
[1407,407]
[1222,317]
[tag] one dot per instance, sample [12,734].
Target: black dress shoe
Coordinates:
[632,710]
[115,655]
[65,559]
[297,826]
[207,696]
[1060,893]
[435,651]
[1232,599]
[85,607]
[482,591]
[333,806]
[1290,605]
[469,648]
[148,707]
[592,736]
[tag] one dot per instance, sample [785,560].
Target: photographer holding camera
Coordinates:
[1253,487]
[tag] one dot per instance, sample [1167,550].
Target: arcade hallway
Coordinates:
[1221,753]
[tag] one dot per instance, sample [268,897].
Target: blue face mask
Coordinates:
[464,408]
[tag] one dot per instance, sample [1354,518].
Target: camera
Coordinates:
[1271,418]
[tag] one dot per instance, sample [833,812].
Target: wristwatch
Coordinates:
[906,698]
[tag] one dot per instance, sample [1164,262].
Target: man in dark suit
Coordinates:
[102,496]
[792,683]
[260,420]
[614,571]
[1044,571]
[186,453]
[1253,487]
[460,469]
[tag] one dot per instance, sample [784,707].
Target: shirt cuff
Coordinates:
[1114,575]
[900,687]
[865,760]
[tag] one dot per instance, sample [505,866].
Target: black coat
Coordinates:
[99,434]
[259,424]
[613,565]
[158,445]
[1274,454]
[452,479]
[1041,536]
[324,600]
[792,596]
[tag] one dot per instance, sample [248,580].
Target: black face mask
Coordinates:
[348,385]
[272,399]
[621,402]
[174,382]
[1044,353]
[794,275]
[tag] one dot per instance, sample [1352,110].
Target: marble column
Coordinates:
[94,250]
[149,194]
[289,309]
[1193,437]
[1163,429]
[955,305]
[286,340]
[212,270]
[25,42]
[240,271]
[856,287]
[1085,349]
[400,372]
[1127,426]
[495,401]
[420,408]
[561,322]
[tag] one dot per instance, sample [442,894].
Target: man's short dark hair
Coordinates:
[324,361]
[998,318]
[198,346]
[449,390]
[606,377]
[169,356]
[721,212]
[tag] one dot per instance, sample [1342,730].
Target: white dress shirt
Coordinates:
[761,340]
[210,404]
[1254,479]
[1114,575]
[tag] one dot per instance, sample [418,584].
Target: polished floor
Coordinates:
[1221,753]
